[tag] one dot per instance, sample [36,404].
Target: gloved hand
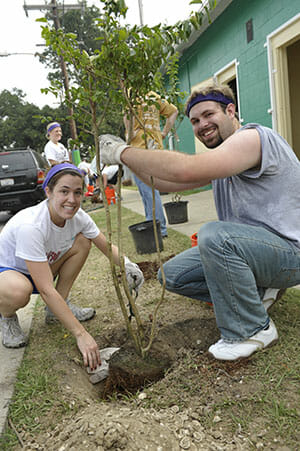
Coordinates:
[134,275]
[111,148]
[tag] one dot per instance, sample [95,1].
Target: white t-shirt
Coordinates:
[93,165]
[110,170]
[56,152]
[31,235]
[84,166]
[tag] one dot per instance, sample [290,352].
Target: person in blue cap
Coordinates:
[55,151]
[244,260]
[48,242]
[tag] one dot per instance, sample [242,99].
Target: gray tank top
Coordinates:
[268,196]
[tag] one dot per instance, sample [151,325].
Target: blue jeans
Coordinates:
[231,267]
[146,195]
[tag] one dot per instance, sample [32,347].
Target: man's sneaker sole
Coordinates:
[269,300]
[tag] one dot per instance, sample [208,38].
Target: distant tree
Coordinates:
[21,124]
[85,23]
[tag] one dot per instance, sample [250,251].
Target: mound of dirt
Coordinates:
[116,427]
[101,425]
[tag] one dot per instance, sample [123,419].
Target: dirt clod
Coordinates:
[150,268]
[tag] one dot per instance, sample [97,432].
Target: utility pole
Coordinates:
[65,77]
[141,12]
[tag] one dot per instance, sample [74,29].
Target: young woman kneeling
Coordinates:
[52,241]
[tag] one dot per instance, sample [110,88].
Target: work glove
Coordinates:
[111,148]
[134,275]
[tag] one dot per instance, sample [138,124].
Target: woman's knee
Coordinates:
[82,243]
[15,292]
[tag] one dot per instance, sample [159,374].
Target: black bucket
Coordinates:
[143,236]
[176,211]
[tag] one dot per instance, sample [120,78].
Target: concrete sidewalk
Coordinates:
[200,210]
[10,361]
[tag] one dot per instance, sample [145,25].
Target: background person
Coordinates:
[54,151]
[85,168]
[255,245]
[149,116]
[109,175]
[52,240]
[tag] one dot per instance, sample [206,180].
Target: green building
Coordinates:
[254,46]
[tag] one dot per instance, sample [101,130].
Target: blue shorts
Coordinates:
[34,291]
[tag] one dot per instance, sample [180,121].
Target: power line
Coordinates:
[55,7]
[48,6]
[15,53]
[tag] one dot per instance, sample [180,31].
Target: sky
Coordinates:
[20,37]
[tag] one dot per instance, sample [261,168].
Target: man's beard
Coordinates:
[214,144]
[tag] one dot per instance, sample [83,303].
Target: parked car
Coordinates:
[22,173]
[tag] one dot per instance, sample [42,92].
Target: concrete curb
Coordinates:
[10,362]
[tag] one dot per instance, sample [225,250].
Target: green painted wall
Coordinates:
[224,41]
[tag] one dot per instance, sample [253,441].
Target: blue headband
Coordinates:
[55,125]
[57,168]
[215,97]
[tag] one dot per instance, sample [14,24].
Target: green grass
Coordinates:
[37,390]
[195,190]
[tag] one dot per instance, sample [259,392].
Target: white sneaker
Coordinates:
[12,334]
[223,350]
[271,296]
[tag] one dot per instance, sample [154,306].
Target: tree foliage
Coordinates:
[20,123]
[123,69]
[84,22]
[117,59]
